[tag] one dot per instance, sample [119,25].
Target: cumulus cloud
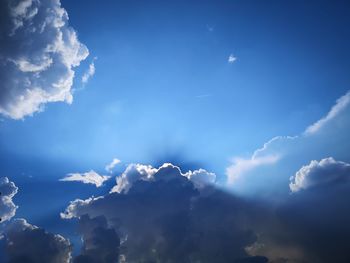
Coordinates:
[89,73]
[7,192]
[100,243]
[90,177]
[161,216]
[167,171]
[38,53]
[320,173]
[268,170]
[29,243]
[109,167]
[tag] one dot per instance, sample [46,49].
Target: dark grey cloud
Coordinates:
[26,243]
[7,192]
[312,224]
[166,218]
[38,53]
[100,243]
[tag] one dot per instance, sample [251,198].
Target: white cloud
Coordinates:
[321,172]
[89,73]
[37,57]
[240,166]
[167,171]
[341,104]
[231,58]
[109,167]
[7,207]
[269,168]
[90,177]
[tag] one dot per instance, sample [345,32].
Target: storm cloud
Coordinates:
[29,243]
[164,217]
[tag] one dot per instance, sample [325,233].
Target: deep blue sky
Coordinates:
[164,90]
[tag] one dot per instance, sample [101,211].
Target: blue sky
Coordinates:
[165,91]
[163,84]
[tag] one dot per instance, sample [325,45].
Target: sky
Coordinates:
[241,103]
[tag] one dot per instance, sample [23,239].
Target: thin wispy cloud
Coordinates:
[89,72]
[90,177]
[201,96]
[109,167]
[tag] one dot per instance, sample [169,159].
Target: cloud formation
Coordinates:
[341,104]
[109,167]
[29,243]
[161,216]
[231,59]
[90,177]
[7,207]
[167,171]
[280,157]
[100,243]
[38,53]
[320,173]
[311,225]
[89,73]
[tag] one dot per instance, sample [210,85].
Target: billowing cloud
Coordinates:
[89,73]
[320,173]
[109,167]
[29,243]
[268,170]
[167,171]
[311,225]
[38,53]
[161,216]
[7,192]
[100,243]
[90,177]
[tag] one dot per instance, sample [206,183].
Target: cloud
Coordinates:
[109,167]
[7,207]
[167,171]
[241,166]
[231,59]
[29,243]
[341,104]
[320,173]
[38,54]
[268,170]
[311,225]
[100,243]
[161,216]
[90,177]
[89,73]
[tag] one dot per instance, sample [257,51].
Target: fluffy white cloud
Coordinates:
[167,171]
[109,167]
[90,177]
[268,170]
[7,207]
[29,243]
[38,53]
[318,173]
